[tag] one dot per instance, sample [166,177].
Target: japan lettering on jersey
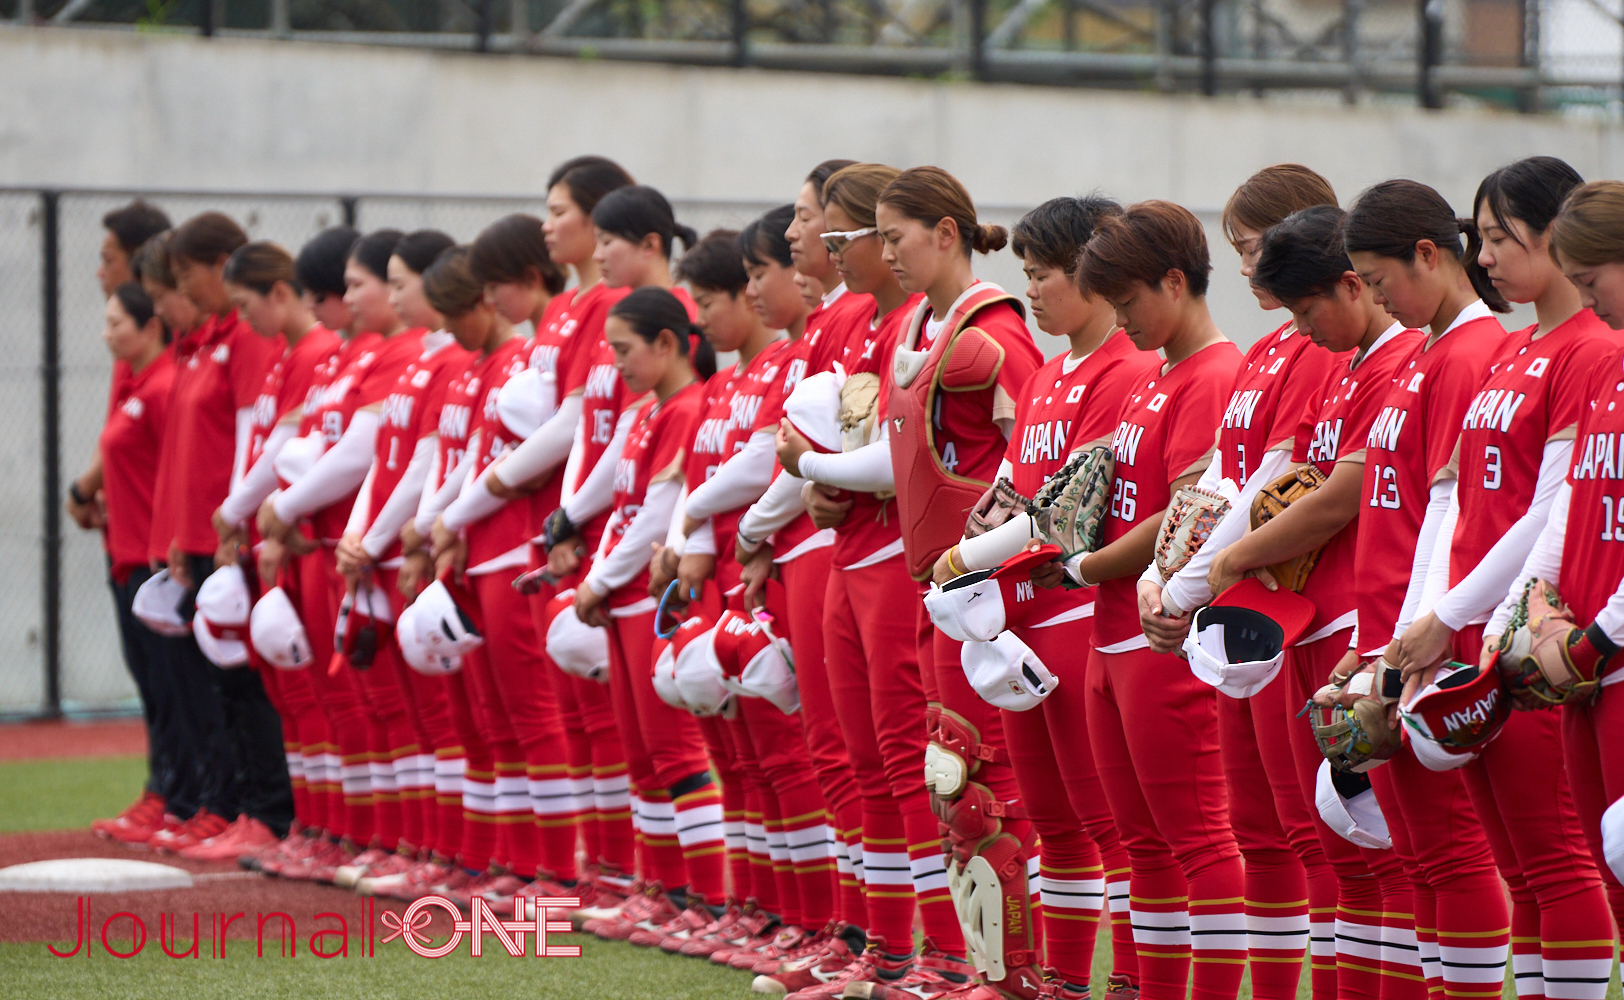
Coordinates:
[1533,393]
[507,527]
[457,418]
[1410,441]
[1593,547]
[404,415]
[656,447]
[1272,392]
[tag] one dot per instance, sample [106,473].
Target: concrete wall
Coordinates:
[125,110]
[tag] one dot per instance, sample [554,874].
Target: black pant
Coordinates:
[149,658]
[247,770]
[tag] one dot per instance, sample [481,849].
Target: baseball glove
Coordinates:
[859,410]
[1355,736]
[1000,503]
[1545,659]
[1189,522]
[1276,497]
[1071,515]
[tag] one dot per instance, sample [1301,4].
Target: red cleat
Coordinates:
[145,812]
[199,828]
[243,836]
[319,865]
[345,876]
[813,970]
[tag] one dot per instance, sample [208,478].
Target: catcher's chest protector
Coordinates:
[933,503]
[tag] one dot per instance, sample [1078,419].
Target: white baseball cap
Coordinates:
[694,669]
[221,622]
[579,649]
[1238,642]
[157,603]
[1006,672]
[443,627]
[1348,805]
[277,633]
[753,661]
[297,456]
[527,400]
[977,606]
[1612,837]
[813,408]
[1451,720]
[417,655]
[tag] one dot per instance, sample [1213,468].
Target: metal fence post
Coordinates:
[348,204]
[1209,48]
[1431,51]
[741,32]
[978,39]
[51,507]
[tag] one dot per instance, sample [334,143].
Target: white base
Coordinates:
[78,875]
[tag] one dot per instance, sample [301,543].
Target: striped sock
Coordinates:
[738,852]
[927,867]
[1527,967]
[296,779]
[1159,907]
[700,834]
[658,818]
[810,841]
[1277,923]
[1357,939]
[556,812]
[518,850]
[789,893]
[1576,954]
[611,800]
[359,818]
[882,857]
[1218,934]
[448,767]
[579,777]
[1124,953]
[478,848]
[385,800]
[762,884]
[1322,893]
[1071,889]
[848,886]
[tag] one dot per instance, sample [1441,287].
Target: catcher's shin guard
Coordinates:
[986,873]
[955,752]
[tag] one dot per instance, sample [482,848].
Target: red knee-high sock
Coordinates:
[360,811]
[1124,953]
[849,904]
[296,778]
[733,836]
[478,812]
[1577,954]
[517,849]
[1527,970]
[411,778]
[928,871]
[698,813]
[789,894]
[611,800]
[556,815]
[809,842]
[448,771]
[385,794]
[1359,931]
[1426,938]
[1276,922]
[888,885]
[1218,939]
[318,790]
[1071,889]
[1474,936]
[762,884]
[1160,910]
[591,831]
[1322,894]
[659,826]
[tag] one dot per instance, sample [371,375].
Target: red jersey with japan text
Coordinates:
[368,369]
[406,416]
[1066,405]
[288,384]
[656,452]
[1338,423]
[1281,374]
[508,528]
[733,399]
[129,445]
[219,369]
[1408,445]
[1165,432]
[1593,547]
[1533,393]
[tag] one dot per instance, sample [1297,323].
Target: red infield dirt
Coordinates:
[218,889]
[110,738]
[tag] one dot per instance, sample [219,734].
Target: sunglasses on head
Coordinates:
[838,242]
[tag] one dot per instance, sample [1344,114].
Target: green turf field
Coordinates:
[63,794]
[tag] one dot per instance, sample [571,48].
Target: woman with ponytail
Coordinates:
[1405,242]
[651,334]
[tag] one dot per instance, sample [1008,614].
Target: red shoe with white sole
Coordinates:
[199,828]
[243,836]
[345,876]
[145,812]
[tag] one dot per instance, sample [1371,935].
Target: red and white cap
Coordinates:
[977,606]
[277,633]
[442,627]
[298,456]
[417,655]
[353,613]
[1007,673]
[157,603]
[221,622]
[579,649]
[1452,719]
[694,670]
[1238,642]
[1612,837]
[753,661]
[527,400]
[814,410]
[1348,805]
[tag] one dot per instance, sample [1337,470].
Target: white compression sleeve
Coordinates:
[475,503]
[988,550]
[780,505]
[1437,510]
[572,465]
[702,542]
[436,498]
[1437,582]
[336,473]
[1188,589]
[598,491]
[245,440]
[1544,562]
[361,510]
[866,470]
[648,526]
[675,540]
[1477,594]
[250,491]
[544,449]
[738,482]
[404,501]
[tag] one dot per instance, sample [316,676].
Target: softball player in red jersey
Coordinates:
[1069,404]
[1186,887]
[220,367]
[1301,263]
[650,334]
[263,285]
[950,421]
[1288,880]
[1515,447]
[1403,239]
